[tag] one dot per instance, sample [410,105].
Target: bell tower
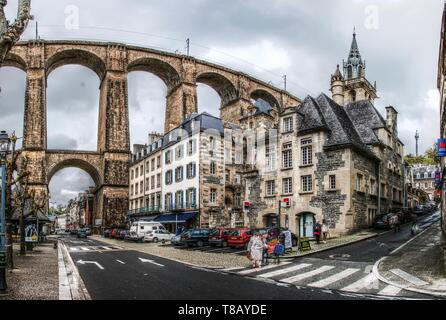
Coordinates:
[355,86]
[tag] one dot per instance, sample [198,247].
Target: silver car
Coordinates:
[175,240]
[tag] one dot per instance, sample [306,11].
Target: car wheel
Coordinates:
[224,244]
[200,243]
[155,240]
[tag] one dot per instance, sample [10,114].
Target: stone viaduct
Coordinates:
[108,166]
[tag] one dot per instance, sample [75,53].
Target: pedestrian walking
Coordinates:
[317,230]
[255,250]
[325,231]
[396,222]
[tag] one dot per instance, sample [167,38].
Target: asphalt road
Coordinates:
[112,273]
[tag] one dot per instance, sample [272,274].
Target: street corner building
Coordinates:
[334,159]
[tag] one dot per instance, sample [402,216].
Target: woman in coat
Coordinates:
[255,249]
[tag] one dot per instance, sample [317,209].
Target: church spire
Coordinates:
[354,67]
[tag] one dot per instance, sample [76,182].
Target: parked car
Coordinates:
[420,210]
[158,235]
[219,236]
[176,240]
[115,233]
[123,233]
[88,231]
[73,232]
[240,237]
[82,233]
[383,221]
[139,229]
[107,233]
[198,237]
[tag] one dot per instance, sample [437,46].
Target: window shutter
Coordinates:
[187,198]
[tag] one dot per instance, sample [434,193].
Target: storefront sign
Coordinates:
[288,240]
[441,147]
[98,222]
[31,233]
[304,244]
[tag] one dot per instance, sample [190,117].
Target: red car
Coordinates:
[240,237]
[115,233]
[219,237]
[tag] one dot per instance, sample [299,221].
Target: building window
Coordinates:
[213,168]
[238,200]
[332,182]
[152,182]
[191,170]
[238,178]
[288,124]
[213,198]
[147,184]
[307,151]
[212,144]
[191,198]
[153,164]
[141,170]
[179,174]
[359,179]
[158,162]
[132,174]
[307,183]
[373,186]
[179,152]
[168,201]
[131,190]
[228,176]
[383,190]
[168,157]
[141,187]
[136,172]
[270,187]
[179,200]
[169,177]
[270,159]
[191,147]
[148,167]
[287,156]
[287,185]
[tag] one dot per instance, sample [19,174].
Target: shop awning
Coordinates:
[173,218]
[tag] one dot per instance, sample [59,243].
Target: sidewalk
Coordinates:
[227,260]
[418,266]
[35,276]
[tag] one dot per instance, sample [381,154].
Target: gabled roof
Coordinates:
[366,119]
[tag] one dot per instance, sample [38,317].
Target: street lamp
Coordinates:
[4,148]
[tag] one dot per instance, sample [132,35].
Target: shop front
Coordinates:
[271,220]
[177,222]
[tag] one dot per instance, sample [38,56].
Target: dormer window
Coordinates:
[287,124]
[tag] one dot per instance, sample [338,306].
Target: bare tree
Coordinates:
[10,33]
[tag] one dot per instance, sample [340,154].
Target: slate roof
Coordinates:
[366,119]
[422,170]
[343,127]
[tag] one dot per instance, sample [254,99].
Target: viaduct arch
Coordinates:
[108,166]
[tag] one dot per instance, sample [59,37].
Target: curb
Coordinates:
[407,288]
[76,287]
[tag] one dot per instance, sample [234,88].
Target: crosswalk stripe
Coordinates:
[254,270]
[334,278]
[408,277]
[85,249]
[365,282]
[286,270]
[107,248]
[390,291]
[74,249]
[306,275]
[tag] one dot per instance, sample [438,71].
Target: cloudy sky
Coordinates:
[303,39]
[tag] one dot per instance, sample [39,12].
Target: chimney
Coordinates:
[392,119]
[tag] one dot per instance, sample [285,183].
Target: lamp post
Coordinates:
[4,147]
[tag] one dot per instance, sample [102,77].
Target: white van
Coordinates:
[140,228]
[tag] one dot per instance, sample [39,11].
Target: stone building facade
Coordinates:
[424,179]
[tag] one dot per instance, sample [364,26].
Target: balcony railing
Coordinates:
[145,210]
[179,207]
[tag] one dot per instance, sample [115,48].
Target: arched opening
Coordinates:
[72,108]
[72,191]
[12,101]
[264,100]
[207,100]
[147,106]
[349,72]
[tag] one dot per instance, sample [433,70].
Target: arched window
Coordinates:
[350,72]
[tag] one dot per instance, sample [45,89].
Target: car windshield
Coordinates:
[236,233]
[214,232]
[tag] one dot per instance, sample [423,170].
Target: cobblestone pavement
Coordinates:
[36,275]
[203,257]
[419,265]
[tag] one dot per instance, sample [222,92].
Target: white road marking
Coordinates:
[150,261]
[390,291]
[334,278]
[85,249]
[120,261]
[91,262]
[237,252]
[368,282]
[306,275]
[254,270]
[107,248]
[74,249]
[408,277]
[285,270]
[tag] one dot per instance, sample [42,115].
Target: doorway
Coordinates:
[306,223]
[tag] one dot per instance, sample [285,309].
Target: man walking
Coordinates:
[317,230]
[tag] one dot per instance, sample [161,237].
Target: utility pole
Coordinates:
[37,30]
[284,82]
[417,137]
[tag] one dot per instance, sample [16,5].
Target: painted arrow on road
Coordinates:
[150,261]
[91,262]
